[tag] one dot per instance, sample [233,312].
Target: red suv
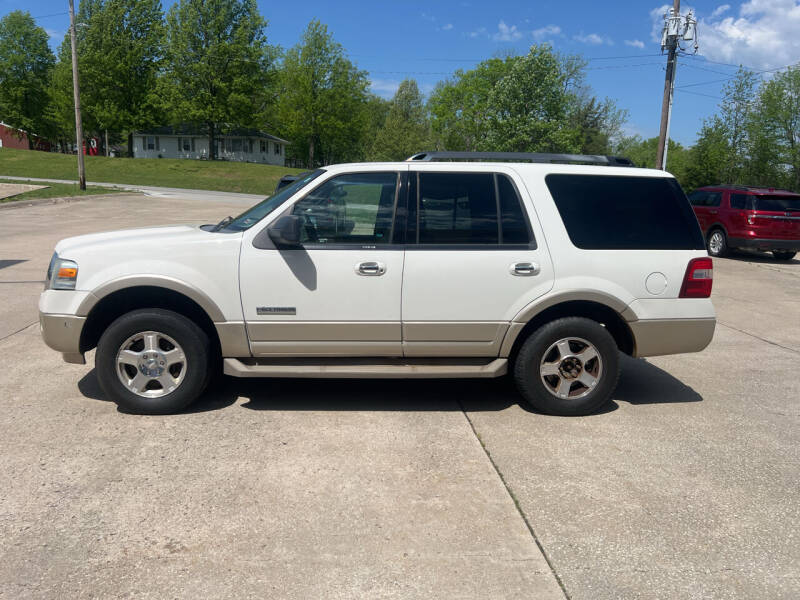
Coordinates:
[734,216]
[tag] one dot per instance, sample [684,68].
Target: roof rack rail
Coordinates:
[535,157]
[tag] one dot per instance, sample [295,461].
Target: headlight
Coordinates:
[61,274]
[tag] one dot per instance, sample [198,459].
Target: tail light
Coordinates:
[698,279]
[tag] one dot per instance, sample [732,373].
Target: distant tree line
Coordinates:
[209,63]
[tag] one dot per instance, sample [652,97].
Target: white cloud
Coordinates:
[723,8]
[763,36]
[506,33]
[593,39]
[447,27]
[634,43]
[546,32]
[478,32]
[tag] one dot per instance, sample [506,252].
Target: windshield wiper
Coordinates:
[223,223]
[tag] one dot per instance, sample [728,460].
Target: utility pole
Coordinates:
[676,28]
[77,93]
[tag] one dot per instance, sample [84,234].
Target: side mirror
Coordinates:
[286,231]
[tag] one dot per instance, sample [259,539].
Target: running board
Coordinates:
[366,368]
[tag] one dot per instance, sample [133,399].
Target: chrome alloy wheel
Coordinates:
[571,368]
[716,242]
[151,364]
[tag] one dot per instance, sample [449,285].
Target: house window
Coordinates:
[236,144]
[149,143]
[250,146]
[277,149]
[263,146]
[186,144]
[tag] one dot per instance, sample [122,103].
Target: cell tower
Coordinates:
[678,30]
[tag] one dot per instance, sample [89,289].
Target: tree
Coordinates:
[323,99]
[25,64]
[219,67]
[528,107]
[531,103]
[407,129]
[460,107]
[120,45]
[643,154]
[709,156]
[779,118]
[736,110]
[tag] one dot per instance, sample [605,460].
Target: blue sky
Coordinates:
[429,40]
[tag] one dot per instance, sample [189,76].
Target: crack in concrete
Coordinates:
[516,503]
[5,337]
[758,337]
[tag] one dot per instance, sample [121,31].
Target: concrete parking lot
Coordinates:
[686,486]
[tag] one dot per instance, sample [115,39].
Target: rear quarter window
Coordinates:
[610,212]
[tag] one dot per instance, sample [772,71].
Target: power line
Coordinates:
[706,69]
[699,94]
[61,14]
[476,60]
[734,76]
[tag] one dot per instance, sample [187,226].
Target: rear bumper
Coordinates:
[765,244]
[63,333]
[656,337]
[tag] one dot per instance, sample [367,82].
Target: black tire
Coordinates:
[193,341]
[531,384]
[718,251]
[783,255]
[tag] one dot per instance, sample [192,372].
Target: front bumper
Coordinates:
[765,244]
[63,333]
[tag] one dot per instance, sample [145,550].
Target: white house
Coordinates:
[242,145]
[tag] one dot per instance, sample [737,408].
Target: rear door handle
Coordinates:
[370,268]
[523,269]
[714,212]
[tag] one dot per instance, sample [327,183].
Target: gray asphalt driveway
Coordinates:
[686,486]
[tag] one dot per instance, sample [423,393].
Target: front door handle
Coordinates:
[522,269]
[370,268]
[714,212]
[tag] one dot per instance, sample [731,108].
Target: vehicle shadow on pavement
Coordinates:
[759,257]
[640,383]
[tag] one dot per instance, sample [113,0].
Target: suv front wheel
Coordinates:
[568,367]
[153,361]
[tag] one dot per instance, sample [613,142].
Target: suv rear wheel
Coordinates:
[717,243]
[153,361]
[568,367]
[784,255]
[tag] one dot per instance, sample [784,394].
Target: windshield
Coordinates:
[253,215]
[778,203]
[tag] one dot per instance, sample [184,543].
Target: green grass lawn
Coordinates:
[55,190]
[248,178]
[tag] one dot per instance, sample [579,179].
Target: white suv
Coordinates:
[440,266]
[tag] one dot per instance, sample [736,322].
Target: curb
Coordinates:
[60,200]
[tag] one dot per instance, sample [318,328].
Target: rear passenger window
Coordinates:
[742,201]
[698,198]
[609,212]
[470,209]
[705,198]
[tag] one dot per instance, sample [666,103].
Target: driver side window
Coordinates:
[355,208]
